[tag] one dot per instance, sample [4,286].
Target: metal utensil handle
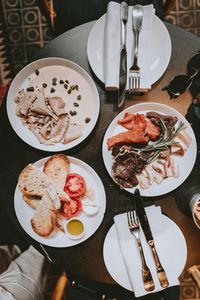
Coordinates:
[160,270]
[124,18]
[123,35]
[146,274]
[135,56]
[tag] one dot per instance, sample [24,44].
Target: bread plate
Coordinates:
[60,239]
[62,70]
[185,163]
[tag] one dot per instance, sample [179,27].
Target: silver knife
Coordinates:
[148,235]
[123,55]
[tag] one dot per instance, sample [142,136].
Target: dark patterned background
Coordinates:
[28,30]
[186,14]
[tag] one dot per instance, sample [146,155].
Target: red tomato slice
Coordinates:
[75,185]
[71,208]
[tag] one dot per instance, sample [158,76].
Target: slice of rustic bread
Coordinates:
[33,181]
[32,201]
[45,217]
[57,169]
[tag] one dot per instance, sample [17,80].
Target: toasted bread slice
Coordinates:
[32,181]
[32,201]
[59,224]
[57,169]
[44,220]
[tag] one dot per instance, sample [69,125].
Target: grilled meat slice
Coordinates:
[155,118]
[128,137]
[125,166]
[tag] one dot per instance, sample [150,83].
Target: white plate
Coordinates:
[185,163]
[61,69]
[115,264]
[59,239]
[160,51]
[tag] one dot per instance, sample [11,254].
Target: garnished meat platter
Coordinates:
[149,146]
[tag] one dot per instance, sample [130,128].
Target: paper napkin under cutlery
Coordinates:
[112,45]
[131,255]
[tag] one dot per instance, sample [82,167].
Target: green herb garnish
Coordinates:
[166,140]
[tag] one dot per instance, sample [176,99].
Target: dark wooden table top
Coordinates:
[85,259]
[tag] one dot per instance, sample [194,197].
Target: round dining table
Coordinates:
[86,259]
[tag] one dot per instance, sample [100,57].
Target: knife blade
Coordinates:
[144,223]
[123,55]
[142,216]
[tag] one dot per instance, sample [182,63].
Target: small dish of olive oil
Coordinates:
[75,228]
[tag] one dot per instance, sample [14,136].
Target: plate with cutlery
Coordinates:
[159,48]
[157,247]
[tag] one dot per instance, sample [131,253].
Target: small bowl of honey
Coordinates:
[75,228]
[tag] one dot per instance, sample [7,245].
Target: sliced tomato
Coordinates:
[75,185]
[71,208]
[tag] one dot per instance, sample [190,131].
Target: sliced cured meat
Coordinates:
[138,121]
[152,130]
[133,121]
[127,137]
[155,118]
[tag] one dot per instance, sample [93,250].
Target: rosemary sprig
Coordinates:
[166,140]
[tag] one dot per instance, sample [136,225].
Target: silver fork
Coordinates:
[134,71]
[134,228]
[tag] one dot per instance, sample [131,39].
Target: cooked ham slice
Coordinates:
[24,102]
[58,105]
[19,101]
[47,118]
[73,132]
[50,135]
[39,107]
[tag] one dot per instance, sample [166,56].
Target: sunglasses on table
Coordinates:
[181,83]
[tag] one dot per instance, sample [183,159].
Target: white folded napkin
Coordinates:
[131,254]
[112,45]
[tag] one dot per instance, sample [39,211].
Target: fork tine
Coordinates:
[130,83]
[133,213]
[133,82]
[138,81]
[128,215]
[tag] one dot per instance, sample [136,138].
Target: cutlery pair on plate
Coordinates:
[134,71]
[137,218]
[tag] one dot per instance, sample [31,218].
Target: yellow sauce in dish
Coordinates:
[75,227]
